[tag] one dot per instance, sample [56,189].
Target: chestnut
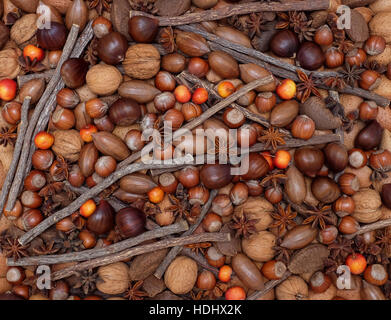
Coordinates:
[344,206]
[334,58]
[130,222]
[348,225]
[11,112]
[325,189]
[222,205]
[68,98]
[65,225]
[254,188]
[143,29]
[104,124]
[310,56]
[336,156]
[35,180]
[101,27]
[324,36]
[376,274]
[31,218]
[31,199]
[165,81]
[328,234]
[239,193]
[247,135]
[112,48]
[164,101]
[356,57]
[257,166]
[206,280]
[173,118]
[63,119]
[173,62]
[198,67]
[52,38]
[102,220]
[375,45]
[381,160]
[75,176]
[273,194]
[73,72]
[189,177]
[368,110]
[198,195]
[233,118]
[357,158]
[168,182]
[191,110]
[320,282]
[309,160]
[88,239]
[96,108]
[105,166]
[349,183]
[212,222]
[134,140]
[369,137]
[15,212]
[303,127]
[369,80]
[214,257]
[215,176]
[284,43]
[265,101]
[124,112]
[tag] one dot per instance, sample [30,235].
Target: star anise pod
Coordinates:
[254,24]
[199,248]
[239,22]
[31,66]
[345,45]
[11,248]
[91,55]
[86,280]
[60,169]
[274,178]
[350,120]
[272,137]
[351,74]
[281,253]
[69,242]
[49,206]
[167,39]
[375,66]
[100,5]
[335,83]
[340,249]
[243,226]
[284,218]
[307,86]
[51,189]
[298,22]
[114,235]
[179,207]
[133,292]
[8,136]
[46,248]
[320,216]
[383,239]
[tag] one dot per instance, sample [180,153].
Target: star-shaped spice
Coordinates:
[167,39]
[199,247]
[46,248]
[272,137]
[133,292]
[340,249]
[281,253]
[179,207]
[320,216]
[274,178]
[351,74]
[284,218]
[29,65]
[100,5]
[8,136]
[243,226]
[306,87]
[11,248]
[86,280]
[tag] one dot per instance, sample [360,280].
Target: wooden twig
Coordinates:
[76,204]
[238,9]
[268,286]
[200,259]
[370,227]
[297,143]
[15,156]
[51,104]
[126,254]
[175,251]
[46,75]
[100,252]
[278,67]
[23,163]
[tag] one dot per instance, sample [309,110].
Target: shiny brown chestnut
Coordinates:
[12,112]
[375,45]
[124,112]
[104,124]
[35,180]
[303,127]
[334,58]
[247,135]
[73,72]
[164,101]
[349,183]
[16,211]
[310,56]
[284,43]
[63,119]
[68,98]
[105,166]
[173,118]
[369,80]
[265,101]
[233,118]
[356,57]
[31,199]
[368,110]
[328,234]
[96,108]
[369,137]
[143,29]
[88,239]
[134,140]
[112,48]
[380,160]
[75,176]
[198,67]
[165,81]
[52,38]
[215,176]
[102,220]
[31,218]
[344,206]
[324,36]
[173,62]
[257,166]
[198,195]
[191,110]
[357,158]
[168,182]
[309,160]
[130,222]
[336,156]
[189,176]
[325,189]
[348,225]
[42,159]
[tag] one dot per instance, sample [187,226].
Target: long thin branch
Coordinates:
[100,252]
[370,227]
[19,176]
[175,251]
[126,254]
[200,259]
[46,75]
[268,286]
[15,156]
[239,9]
[278,67]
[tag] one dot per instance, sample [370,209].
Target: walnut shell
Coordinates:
[142,61]
[24,28]
[181,275]
[256,208]
[113,278]
[259,246]
[380,25]
[366,200]
[103,79]
[67,143]
[9,65]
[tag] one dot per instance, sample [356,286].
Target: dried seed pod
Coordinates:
[87,159]
[247,272]
[308,259]
[299,237]
[191,44]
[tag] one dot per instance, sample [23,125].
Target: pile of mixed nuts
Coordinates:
[195,149]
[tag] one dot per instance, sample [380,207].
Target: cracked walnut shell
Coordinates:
[142,61]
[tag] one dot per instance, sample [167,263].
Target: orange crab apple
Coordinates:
[87,208]
[225,273]
[87,131]
[225,89]
[8,89]
[200,96]
[286,89]
[182,94]
[33,53]
[356,263]
[235,293]
[281,159]
[156,195]
[44,140]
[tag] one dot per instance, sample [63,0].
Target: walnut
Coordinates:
[367,206]
[67,143]
[113,278]
[24,28]
[259,246]
[181,275]
[9,65]
[142,61]
[103,79]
